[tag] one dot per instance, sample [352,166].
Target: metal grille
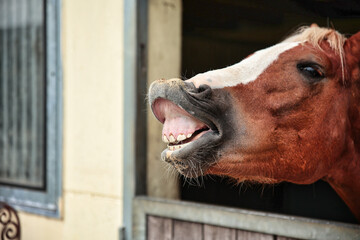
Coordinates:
[22,93]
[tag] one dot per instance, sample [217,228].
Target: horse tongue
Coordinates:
[178,124]
[180,127]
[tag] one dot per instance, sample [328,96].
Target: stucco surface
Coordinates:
[92,59]
[164,39]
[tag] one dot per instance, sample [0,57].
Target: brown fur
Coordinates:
[300,132]
[284,126]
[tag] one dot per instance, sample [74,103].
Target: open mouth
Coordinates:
[193,120]
[179,143]
[180,128]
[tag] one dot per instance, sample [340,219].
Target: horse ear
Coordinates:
[352,56]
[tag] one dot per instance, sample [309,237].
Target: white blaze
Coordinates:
[245,71]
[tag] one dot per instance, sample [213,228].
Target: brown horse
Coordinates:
[289,112]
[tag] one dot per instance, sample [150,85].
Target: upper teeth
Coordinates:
[165,139]
[172,139]
[181,137]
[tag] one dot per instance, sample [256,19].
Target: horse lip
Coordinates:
[176,93]
[179,158]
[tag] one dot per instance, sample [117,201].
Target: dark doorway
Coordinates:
[217,34]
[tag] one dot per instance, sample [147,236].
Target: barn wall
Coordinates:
[164,39]
[92,59]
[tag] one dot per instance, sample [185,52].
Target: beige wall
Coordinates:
[92,54]
[164,38]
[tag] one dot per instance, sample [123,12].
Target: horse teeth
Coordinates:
[181,137]
[177,147]
[172,139]
[168,154]
[165,139]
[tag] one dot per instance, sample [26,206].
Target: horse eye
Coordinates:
[311,70]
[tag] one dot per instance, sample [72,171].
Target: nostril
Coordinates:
[203,88]
[204,91]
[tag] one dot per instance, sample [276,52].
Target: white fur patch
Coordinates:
[245,71]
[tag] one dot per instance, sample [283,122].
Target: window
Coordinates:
[30,105]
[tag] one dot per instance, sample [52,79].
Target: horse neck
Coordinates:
[345,178]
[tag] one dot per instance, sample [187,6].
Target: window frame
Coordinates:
[46,202]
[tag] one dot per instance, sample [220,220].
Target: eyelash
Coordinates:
[311,70]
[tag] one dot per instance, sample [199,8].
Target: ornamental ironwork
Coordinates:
[9,223]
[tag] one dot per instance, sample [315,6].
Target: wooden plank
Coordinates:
[159,228]
[302,228]
[187,230]
[246,235]
[219,233]
[285,238]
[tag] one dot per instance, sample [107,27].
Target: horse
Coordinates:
[289,112]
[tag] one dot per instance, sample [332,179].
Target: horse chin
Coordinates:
[196,157]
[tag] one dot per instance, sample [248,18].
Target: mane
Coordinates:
[315,35]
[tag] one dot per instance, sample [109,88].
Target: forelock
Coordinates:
[315,35]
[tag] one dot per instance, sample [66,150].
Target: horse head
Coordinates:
[289,112]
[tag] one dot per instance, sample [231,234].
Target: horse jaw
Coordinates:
[344,178]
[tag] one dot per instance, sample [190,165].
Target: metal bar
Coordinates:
[13,104]
[23,93]
[17,121]
[141,104]
[29,95]
[34,93]
[4,89]
[2,36]
[53,132]
[130,11]
[289,226]
[38,177]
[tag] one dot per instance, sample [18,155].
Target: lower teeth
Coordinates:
[177,147]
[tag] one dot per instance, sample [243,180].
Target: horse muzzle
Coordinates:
[192,123]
